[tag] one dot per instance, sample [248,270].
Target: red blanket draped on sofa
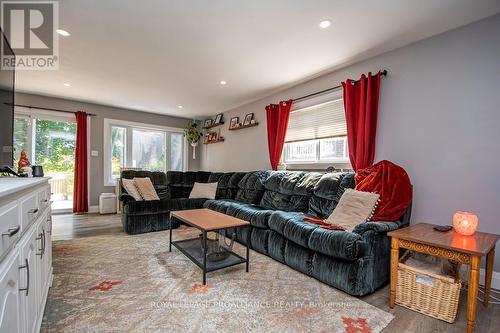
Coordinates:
[392,183]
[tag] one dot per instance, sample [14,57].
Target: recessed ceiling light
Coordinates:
[325,24]
[67,84]
[179,106]
[63,32]
[223,83]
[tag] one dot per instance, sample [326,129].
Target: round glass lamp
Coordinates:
[465,223]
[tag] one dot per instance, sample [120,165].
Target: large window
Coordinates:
[142,146]
[317,132]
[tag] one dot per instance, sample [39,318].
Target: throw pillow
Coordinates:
[129,186]
[203,190]
[354,207]
[146,189]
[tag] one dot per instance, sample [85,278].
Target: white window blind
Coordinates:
[319,121]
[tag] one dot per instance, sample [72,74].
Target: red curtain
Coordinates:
[361,108]
[277,123]
[80,190]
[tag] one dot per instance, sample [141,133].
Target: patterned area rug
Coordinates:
[124,283]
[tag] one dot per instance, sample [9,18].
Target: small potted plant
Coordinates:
[193,135]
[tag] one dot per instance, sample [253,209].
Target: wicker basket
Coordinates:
[431,294]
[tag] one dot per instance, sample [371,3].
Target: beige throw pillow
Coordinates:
[203,190]
[146,189]
[129,186]
[354,207]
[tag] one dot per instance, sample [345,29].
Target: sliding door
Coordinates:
[50,142]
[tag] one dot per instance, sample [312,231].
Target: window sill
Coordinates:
[319,166]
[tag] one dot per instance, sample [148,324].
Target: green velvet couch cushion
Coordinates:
[339,244]
[257,216]
[159,180]
[327,193]
[134,208]
[292,226]
[227,183]
[181,183]
[221,205]
[251,187]
[289,190]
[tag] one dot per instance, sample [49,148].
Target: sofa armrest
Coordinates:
[125,197]
[378,227]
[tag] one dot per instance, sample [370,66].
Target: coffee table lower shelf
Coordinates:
[192,248]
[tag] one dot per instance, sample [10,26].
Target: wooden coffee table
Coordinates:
[452,246]
[207,220]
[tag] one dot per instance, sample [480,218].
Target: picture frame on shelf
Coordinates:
[218,119]
[233,123]
[248,119]
[208,123]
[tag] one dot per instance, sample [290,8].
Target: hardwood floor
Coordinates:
[69,226]
[488,318]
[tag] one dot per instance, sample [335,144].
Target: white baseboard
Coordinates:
[495,279]
[94,209]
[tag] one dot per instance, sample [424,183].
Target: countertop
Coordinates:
[9,185]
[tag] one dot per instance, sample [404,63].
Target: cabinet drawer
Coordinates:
[29,210]
[10,226]
[44,198]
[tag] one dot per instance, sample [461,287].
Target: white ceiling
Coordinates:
[155,55]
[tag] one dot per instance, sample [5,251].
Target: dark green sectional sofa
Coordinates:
[275,203]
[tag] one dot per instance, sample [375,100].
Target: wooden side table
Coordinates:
[452,246]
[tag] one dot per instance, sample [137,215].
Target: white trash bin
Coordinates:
[107,203]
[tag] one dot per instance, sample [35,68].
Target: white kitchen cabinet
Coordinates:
[29,283]
[10,318]
[25,256]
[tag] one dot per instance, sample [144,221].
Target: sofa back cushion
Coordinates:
[159,180]
[327,193]
[289,190]
[227,183]
[251,187]
[180,183]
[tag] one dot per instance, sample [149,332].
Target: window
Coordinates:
[49,140]
[22,134]
[117,150]
[148,147]
[317,132]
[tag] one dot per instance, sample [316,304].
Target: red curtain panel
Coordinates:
[361,108]
[277,123]
[80,193]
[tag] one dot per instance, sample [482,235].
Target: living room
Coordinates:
[256,166]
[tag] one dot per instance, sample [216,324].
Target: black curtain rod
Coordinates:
[383,73]
[47,109]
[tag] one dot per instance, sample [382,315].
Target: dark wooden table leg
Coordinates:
[394,270]
[249,238]
[204,257]
[475,262]
[490,258]
[170,239]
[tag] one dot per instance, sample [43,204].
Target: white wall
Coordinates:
[439,118]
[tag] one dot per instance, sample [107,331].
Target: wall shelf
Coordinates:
[242,127]
[210,142]
[213,125]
